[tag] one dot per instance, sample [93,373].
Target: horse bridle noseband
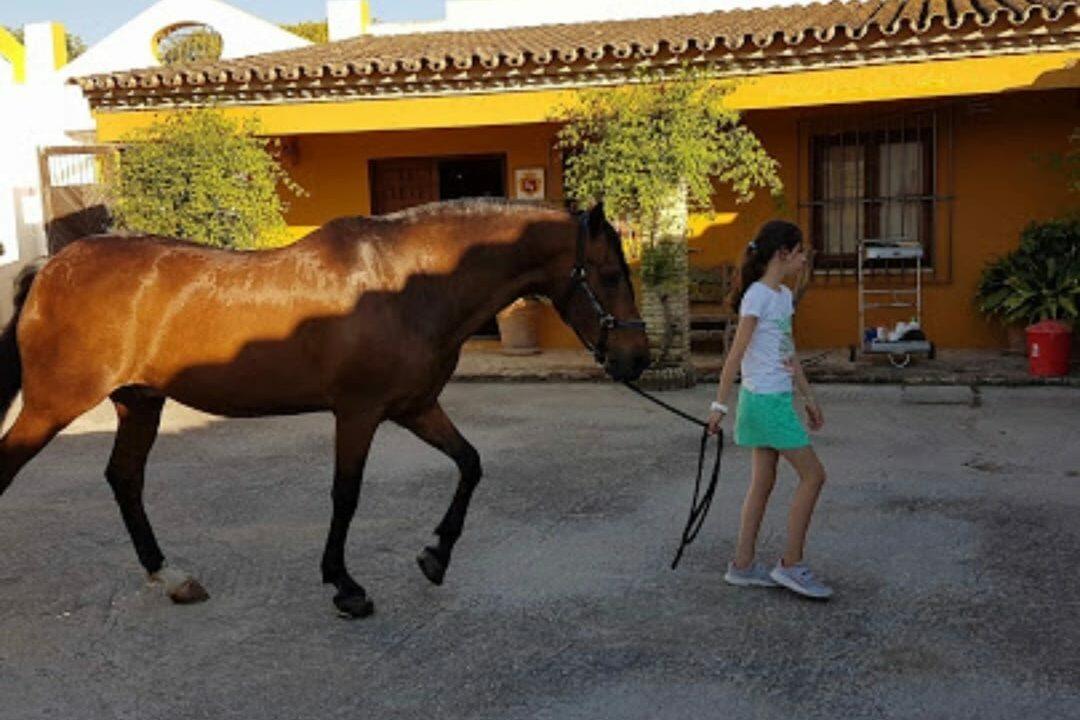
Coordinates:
[579,279]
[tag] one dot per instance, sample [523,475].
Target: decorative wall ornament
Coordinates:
[529,183]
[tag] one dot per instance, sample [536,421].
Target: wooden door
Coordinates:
[400,184]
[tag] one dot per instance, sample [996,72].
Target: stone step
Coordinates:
[705,334]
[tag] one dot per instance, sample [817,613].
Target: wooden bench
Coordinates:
[712,323]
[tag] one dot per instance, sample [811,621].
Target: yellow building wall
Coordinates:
[993,164]
[1029,104]
[997,173]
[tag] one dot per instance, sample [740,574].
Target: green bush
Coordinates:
[1039,280]
[199,176]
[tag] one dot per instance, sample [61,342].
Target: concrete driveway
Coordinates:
[948,528]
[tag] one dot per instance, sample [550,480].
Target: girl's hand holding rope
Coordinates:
[715,418]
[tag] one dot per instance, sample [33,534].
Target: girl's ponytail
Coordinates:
[772,237]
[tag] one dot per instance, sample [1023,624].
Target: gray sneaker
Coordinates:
[799,579]
[757,575]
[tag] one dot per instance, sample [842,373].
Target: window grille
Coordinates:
[872,179]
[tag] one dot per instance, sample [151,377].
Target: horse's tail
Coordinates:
[10,362]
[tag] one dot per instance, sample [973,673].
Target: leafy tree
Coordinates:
[75,46]
[317,31]
[638,145]
[200,176]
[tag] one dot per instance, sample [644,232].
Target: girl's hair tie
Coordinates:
[753,246]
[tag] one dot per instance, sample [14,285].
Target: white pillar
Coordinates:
[347,18]
[46,50]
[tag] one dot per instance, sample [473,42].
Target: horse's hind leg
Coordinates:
[435,428]
[139,414]
[32,431]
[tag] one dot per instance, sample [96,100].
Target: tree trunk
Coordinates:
[665,305]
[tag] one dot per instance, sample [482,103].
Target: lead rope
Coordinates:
[699,503]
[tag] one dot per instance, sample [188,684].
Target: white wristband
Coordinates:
[719,407]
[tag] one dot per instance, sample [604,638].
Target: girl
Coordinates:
[766,420]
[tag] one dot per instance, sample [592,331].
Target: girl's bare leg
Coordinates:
[811,479]
[763,478]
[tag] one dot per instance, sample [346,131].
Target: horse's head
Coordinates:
[596,299]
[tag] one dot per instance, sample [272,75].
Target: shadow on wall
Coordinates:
[1063,78]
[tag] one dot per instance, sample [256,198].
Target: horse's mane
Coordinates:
[469,206]
[466,207]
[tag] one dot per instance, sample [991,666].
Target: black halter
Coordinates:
[579,279]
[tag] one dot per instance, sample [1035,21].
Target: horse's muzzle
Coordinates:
[626,367]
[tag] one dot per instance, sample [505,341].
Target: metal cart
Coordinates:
[899,297]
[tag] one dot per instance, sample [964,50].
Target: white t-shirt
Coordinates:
[769,362]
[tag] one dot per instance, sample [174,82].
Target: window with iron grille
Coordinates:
[874,180]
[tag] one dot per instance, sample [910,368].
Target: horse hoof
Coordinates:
[433,568]
[179,586]
[353,606]
[189,592]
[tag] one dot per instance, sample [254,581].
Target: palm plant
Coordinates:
[1040,280]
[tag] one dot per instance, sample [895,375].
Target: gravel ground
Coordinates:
[948,529]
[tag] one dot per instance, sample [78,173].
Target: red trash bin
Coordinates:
[1048,348]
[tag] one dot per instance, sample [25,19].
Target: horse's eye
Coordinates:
[610,279]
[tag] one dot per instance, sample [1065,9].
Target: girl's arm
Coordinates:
[743,333]
[813,410]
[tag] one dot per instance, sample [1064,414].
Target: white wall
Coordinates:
[7,72]
[8,161]
[37,112]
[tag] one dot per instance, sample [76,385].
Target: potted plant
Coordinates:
[519,324]
[1040,280]
[993,291]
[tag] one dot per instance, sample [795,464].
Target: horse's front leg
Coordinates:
[435,428]
[353,433]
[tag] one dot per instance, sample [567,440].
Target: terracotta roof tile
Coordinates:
[795,27]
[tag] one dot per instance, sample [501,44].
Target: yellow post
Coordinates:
[13,51]
[60,51]
[365,16]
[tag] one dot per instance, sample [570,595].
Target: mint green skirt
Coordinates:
[768,420]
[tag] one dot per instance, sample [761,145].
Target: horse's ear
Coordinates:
[597,219]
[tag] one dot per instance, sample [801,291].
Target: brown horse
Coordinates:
[364,317]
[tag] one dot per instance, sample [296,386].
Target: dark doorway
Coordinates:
[471,177]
